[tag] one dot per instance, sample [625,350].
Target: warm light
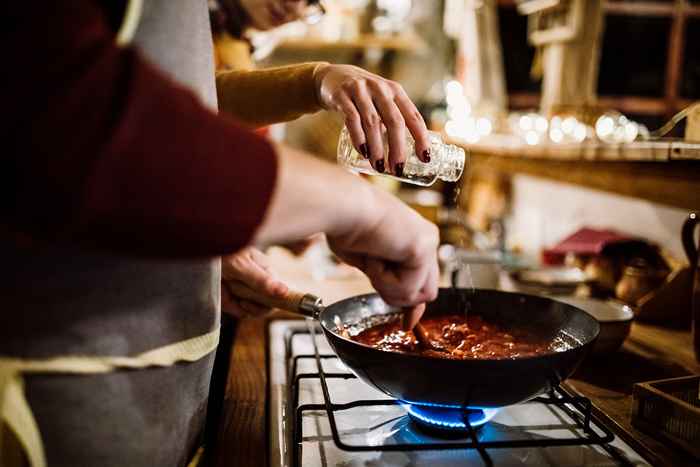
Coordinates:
[526,122]
[451,129]
[532,138]
[541,124]
[454,88]
[604,126]
[484,126]
[631,131]
[569,125]
[556,135]
[580,132]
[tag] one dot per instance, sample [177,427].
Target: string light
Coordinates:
[461,123]
[533,128]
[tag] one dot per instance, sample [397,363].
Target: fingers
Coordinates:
[250,266]
[415,124]
[432,285]
[398,285]
[353,122]
[371,123]
[242,308]
[370,104]
[412,316]
[383,95]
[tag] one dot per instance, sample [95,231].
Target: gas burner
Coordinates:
[448,420]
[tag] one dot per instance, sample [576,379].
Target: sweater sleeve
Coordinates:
[271,95]
[105,150]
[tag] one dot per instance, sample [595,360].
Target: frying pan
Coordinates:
[438,381]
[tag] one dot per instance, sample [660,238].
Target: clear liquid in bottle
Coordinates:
[446,160]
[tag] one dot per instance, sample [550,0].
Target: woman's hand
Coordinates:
[365,226]
[370,103]
[397,250]
[249,266]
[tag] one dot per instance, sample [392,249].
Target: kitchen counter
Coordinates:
[651,352]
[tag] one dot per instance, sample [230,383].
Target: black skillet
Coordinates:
[434,380]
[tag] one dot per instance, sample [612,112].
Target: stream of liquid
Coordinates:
[462,266]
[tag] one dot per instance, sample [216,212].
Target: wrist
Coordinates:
[319,73]
[362,213]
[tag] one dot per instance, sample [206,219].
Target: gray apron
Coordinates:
[64,301]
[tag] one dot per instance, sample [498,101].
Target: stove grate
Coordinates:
[578,409]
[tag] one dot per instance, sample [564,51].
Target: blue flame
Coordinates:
[449,418]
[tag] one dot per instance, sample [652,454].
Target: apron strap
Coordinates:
[15,410]
[129,23]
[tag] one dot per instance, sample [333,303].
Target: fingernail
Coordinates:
[363,150]
[379,166]
[398,168]
[426,155]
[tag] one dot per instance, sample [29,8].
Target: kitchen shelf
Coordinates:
[664,173]
[626,104]
[401,43]
[646,151]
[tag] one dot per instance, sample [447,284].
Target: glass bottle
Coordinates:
[446,160]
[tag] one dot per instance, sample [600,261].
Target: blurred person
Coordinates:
[273,95]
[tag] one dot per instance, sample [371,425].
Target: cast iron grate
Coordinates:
[578,409]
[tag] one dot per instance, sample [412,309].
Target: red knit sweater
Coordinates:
[105,150]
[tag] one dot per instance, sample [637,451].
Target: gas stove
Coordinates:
[320,414]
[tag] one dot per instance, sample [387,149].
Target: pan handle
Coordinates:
[297,302]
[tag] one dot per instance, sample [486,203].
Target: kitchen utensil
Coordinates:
[691,250]
[615,321]
[432,380]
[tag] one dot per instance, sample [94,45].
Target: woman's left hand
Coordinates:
[369,103]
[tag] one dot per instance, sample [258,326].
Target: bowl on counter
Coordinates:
[549,281]
[615,320]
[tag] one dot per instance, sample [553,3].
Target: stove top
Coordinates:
[367,428]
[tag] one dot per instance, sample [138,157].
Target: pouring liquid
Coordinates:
[462,266]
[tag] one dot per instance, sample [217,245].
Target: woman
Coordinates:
[262,97]
[122,190]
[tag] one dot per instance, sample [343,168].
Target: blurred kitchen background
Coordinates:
[563,106]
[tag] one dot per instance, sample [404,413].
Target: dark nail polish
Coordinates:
[363,150]
[426,155]
[379,166]
[398,169]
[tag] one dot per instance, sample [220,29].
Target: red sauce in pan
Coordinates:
[454,336]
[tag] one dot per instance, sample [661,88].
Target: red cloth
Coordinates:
[585,241]
[105,150]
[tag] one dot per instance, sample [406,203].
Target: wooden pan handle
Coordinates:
[294,301]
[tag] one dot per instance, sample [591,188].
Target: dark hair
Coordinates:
[227,16]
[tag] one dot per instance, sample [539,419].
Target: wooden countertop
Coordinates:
[649,353]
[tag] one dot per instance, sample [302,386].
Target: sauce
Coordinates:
[458,337]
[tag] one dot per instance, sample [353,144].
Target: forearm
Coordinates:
[105,150]
[262,97]
[313,196]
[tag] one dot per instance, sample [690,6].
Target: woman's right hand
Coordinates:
[396,248]
[365,226]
